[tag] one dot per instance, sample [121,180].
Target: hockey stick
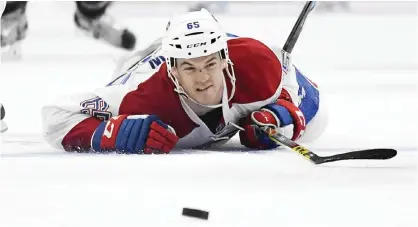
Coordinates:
[276,137]
[379,153]
[294,34]
[297,28]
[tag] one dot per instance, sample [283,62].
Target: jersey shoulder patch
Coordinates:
[96,107]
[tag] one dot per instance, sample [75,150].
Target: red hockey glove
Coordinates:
[283,115]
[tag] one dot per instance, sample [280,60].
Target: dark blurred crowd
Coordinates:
[89,16]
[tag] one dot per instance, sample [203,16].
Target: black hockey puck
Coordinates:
[201,214]
[2,112]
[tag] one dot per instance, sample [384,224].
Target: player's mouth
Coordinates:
[203,89]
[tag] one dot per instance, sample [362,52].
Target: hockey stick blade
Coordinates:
[376,154]
[371,154]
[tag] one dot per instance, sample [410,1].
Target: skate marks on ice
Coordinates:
[33,146]
[21,145]
[238,189]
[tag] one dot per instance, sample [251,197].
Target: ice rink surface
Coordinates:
[369,107]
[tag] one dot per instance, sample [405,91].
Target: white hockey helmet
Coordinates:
[192,35]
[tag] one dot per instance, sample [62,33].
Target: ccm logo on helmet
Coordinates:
[196,45]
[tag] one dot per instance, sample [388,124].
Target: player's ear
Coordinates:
[174,71]
[224,64]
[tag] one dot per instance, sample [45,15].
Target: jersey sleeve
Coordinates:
[299,90]
[298,102]
[69,121]
[269,81]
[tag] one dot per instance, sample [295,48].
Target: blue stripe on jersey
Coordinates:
[310,96]
[231,35]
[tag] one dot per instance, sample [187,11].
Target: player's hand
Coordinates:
[282,116]
[136,134]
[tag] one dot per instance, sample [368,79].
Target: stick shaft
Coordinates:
[297,28]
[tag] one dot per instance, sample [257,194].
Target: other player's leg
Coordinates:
[2,6]
[3,126]
[91,17]
[14,26]
[212,6]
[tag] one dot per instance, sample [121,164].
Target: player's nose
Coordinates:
[202,76]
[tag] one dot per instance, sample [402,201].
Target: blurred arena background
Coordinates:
[269,8]
[364,31]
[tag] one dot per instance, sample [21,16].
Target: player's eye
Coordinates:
[211,65]
[189,69]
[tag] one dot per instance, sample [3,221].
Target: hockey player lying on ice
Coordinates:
[211,87]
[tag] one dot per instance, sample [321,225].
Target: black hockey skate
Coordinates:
[3,126]
[104,28]
[14,27]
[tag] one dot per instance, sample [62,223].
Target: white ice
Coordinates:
[371,104]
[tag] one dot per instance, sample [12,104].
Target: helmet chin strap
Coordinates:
[179,89]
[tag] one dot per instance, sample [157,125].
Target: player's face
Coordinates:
[202,78]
